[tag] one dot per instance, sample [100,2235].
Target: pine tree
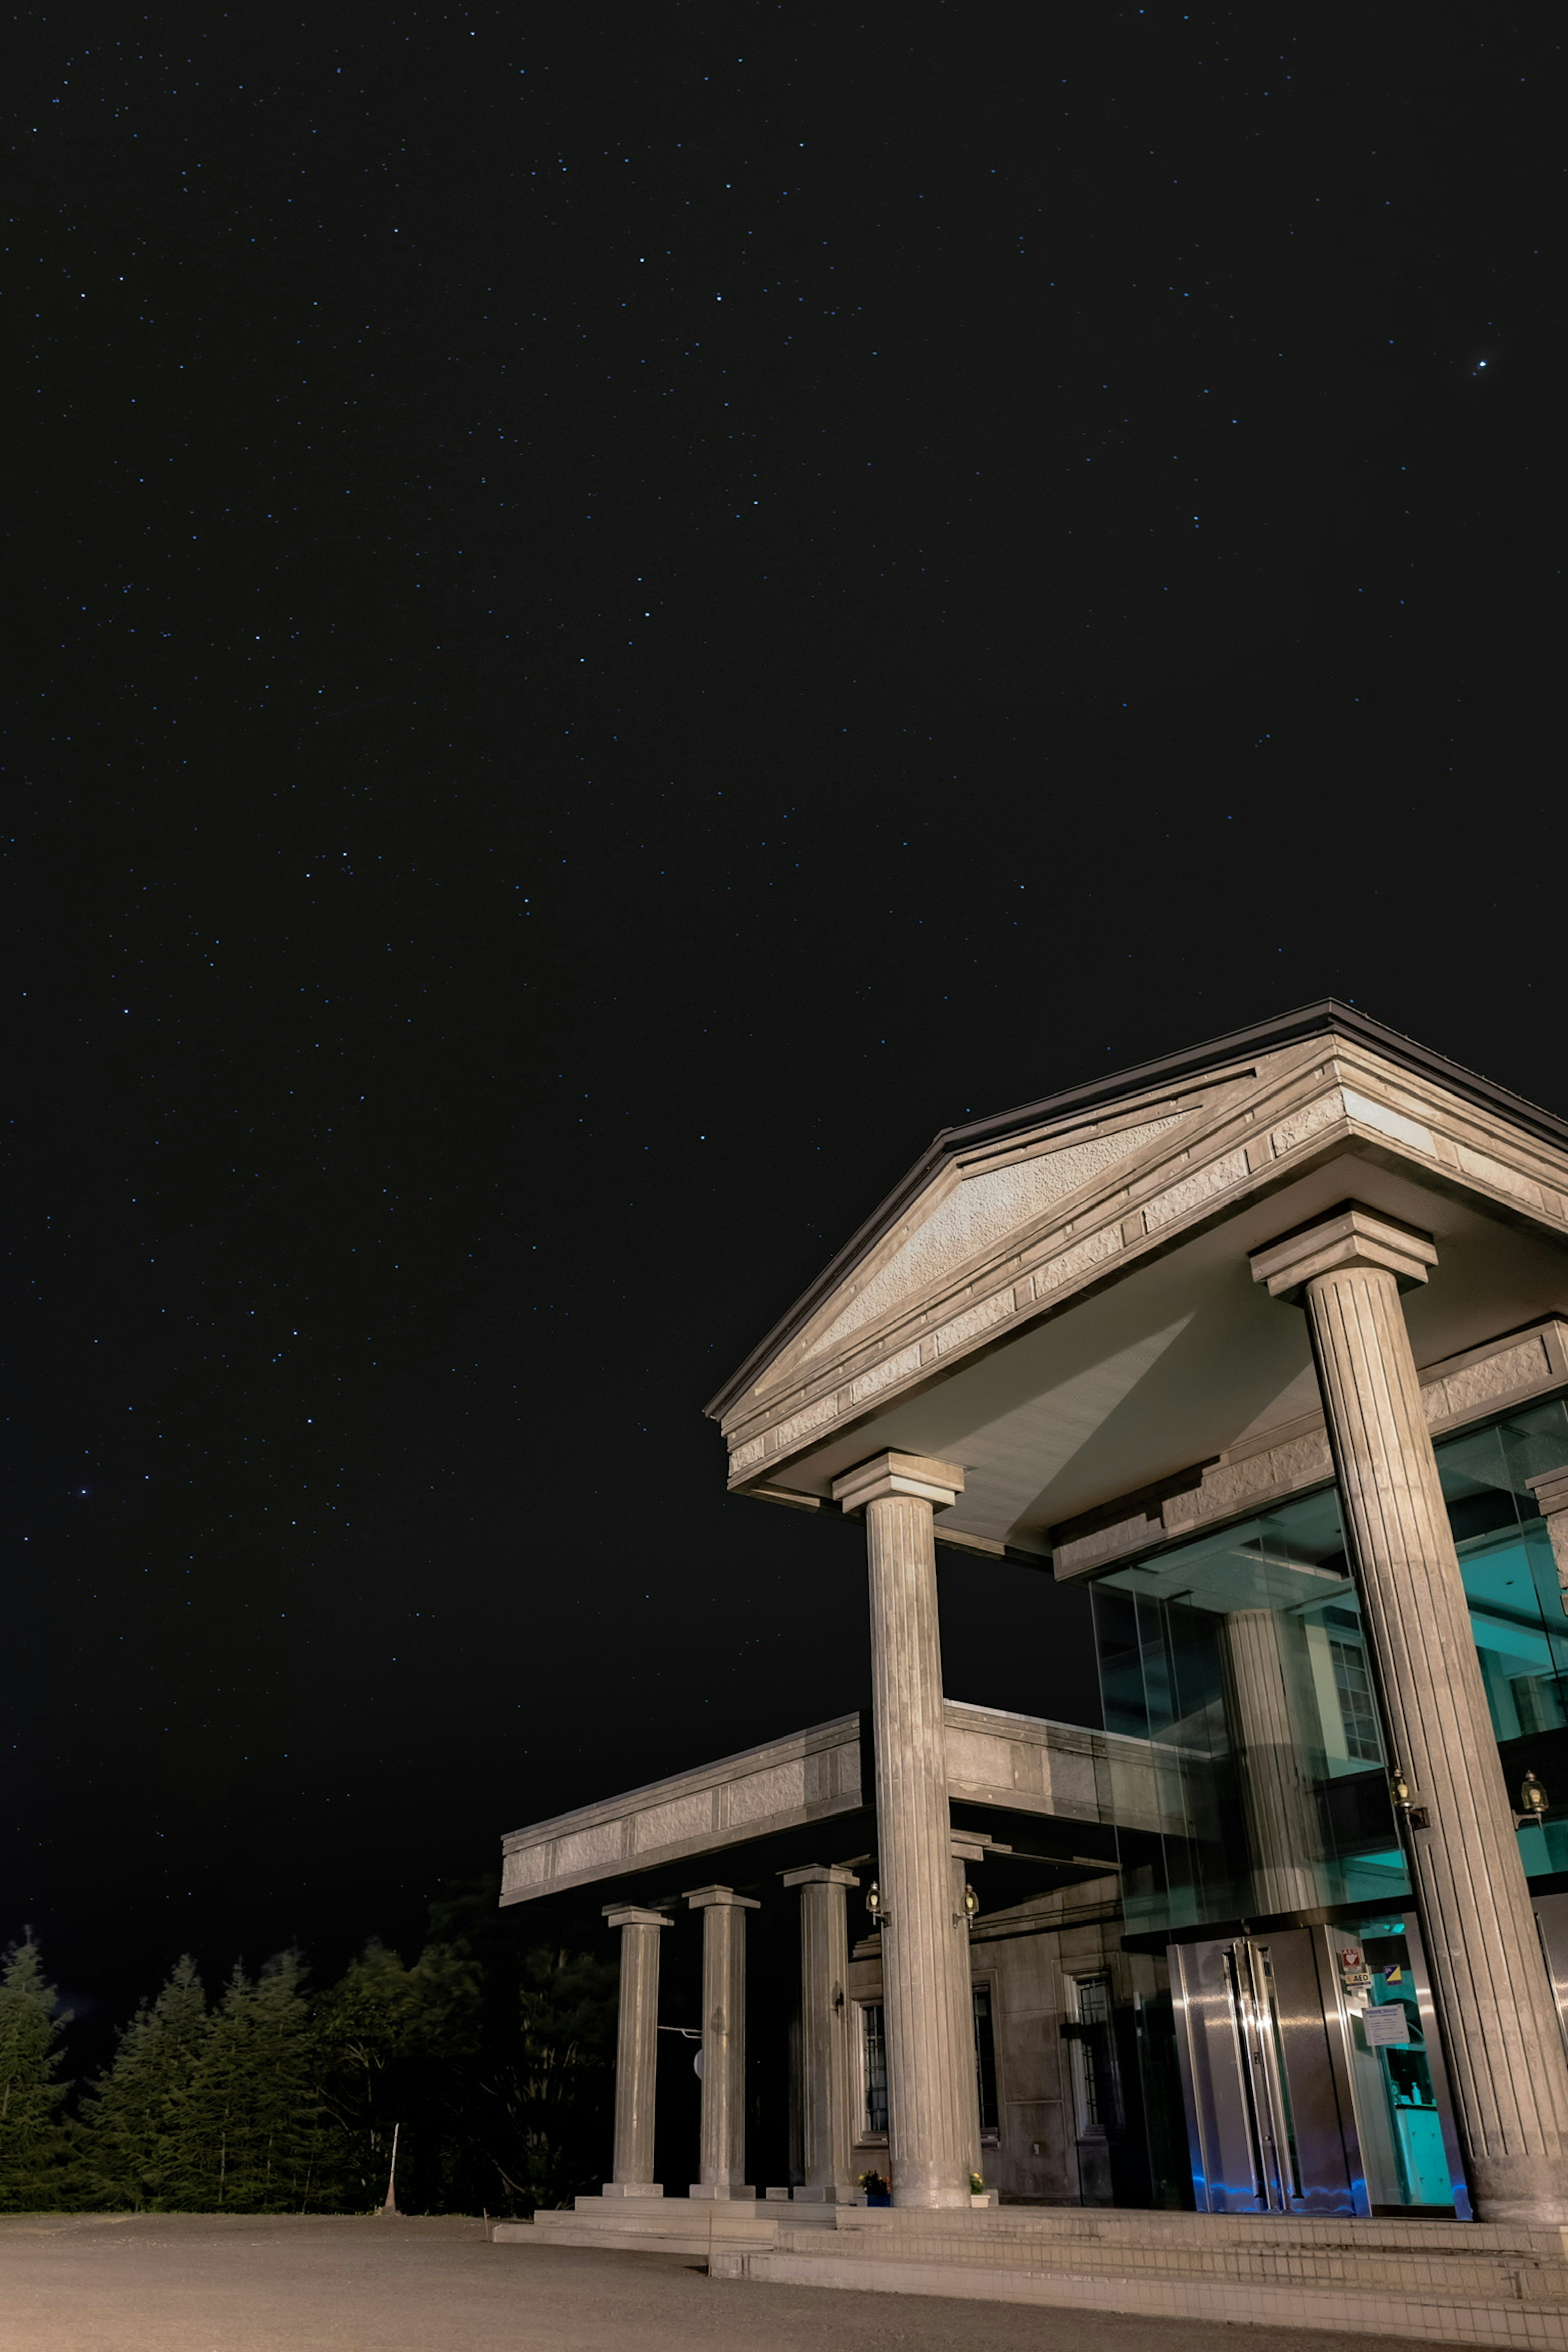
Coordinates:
[34,2146]
[137,2126]
[259,2135]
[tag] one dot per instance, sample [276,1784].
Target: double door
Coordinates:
[1311,2075]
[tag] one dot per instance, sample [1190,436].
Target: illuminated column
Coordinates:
[925,1950]
[1283,1836]
[636,2050]
[722,2149]
[1505,2054]
[825,2019]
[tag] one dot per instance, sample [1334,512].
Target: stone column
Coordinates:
[1551,1492]
[825,2019]
[1282,1835]
[1506,2063]
[924,1953]
[636,2050]
[722,2153]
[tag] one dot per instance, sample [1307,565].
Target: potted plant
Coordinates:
[877,2191]
[978,2193]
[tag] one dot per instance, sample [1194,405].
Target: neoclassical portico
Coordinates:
[1066,1339]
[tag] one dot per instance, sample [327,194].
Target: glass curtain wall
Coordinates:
[1244,1750]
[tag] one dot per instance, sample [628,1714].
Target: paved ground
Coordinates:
[184,2282]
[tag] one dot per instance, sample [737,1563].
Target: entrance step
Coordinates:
[671,2225]
[1458,2282]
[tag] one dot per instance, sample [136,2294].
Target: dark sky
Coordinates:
[619,614]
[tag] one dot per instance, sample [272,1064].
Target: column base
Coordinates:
[1517,2189]
[837,2192]
[930,2193]
[720,2188]
[631,2188]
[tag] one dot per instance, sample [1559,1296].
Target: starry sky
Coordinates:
[622,614]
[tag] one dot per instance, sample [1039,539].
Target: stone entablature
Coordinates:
[806,1777]
[1468,1387]
[1025,1764]
[1153,1170]
[1021,1763]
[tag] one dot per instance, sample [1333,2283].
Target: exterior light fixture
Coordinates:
[971,1905]
[873,1904]
[1534,1800]
[1403,1798]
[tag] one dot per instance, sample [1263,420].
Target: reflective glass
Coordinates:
[1245,1761]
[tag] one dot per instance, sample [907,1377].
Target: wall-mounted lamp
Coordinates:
[1534,1800]
[1402,1796]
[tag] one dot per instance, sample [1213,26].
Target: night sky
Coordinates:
[619,614]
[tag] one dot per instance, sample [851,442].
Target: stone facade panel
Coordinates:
[760,1795]
[683,1817]
[1193,1192]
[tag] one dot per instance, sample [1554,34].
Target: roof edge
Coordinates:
[1328,1016]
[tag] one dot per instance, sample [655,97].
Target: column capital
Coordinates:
[721,1898]
[631,1915]
[820,1873]
[938,1483]
[1347,1236]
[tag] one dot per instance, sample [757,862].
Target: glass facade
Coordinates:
[1246,1757]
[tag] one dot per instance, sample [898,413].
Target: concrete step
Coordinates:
[1460,2283]
[669,2225]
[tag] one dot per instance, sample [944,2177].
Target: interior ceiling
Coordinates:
[1184,1358]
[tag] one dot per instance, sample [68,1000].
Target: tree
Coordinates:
[138,2143]
[34,2145]
[392,2041]
[258,2134]
[547,2086]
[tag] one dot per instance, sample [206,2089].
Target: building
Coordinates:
[1268,1344]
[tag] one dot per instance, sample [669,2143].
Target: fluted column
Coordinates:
[1551,1492]
[721,2159]
[825,2017]
[1282,1835]
[636,2050]
[924,1951]
[1499,2028]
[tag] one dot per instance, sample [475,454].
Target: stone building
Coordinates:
[1266,1344]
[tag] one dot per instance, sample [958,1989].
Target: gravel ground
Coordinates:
[188,2282]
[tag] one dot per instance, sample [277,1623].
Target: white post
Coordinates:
[636,2050]
[924,1952]
[825,2018]
[722,2156]
[1505,2051]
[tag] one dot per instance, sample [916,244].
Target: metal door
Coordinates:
[1266,2117]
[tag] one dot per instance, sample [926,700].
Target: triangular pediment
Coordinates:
[971,1213]
[980,1271]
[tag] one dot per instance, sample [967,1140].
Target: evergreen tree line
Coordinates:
[270,2096]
